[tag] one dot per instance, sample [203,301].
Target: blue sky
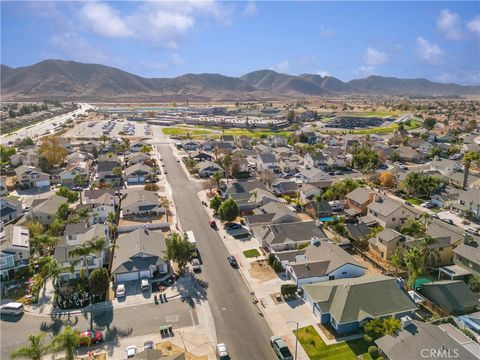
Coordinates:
[436,40]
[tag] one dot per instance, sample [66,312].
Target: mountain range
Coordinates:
[70,80]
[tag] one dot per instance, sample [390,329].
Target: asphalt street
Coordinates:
[238,322]
[114,324]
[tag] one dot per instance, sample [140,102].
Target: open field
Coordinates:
[375,130]
[379,113]
[316,348]
[217,132]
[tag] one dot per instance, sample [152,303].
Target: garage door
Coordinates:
[127,277]
[43,183]
[316,311]
[145,274]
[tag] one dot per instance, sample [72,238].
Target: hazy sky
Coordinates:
[436,40]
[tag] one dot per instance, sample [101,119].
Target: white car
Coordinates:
[120,290]
[196,265]
[131,351]
[144,285]
[471,230]
[222,352]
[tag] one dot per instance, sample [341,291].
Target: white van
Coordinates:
[13,308]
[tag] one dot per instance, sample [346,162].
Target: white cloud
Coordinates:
[474,24]
[105,20]
[177,60]
[326,33]
[364,70]
[323,73]
[460,77]
[429,52]
[250,9]
[74,46]
[373,57]
[282,66]
[448,23]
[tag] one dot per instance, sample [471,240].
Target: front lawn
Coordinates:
[316,349]
[415,201]
[251,253]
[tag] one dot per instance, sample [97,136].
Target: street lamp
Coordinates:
[296,338]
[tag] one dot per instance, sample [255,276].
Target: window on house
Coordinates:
[344,273]
[393,219]
[331,277]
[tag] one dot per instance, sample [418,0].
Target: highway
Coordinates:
[238,323]
[115,324]
[42,127]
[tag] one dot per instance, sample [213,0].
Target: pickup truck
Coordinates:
[280,348]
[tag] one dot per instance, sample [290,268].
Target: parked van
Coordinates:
[13,308]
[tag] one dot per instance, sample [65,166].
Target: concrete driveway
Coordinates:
[133,292]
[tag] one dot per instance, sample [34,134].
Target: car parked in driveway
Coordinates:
[233,262]
[120,290]
[448,221]
[280,347]
[90,337]
[131,351]
[428,205]
[196,265]
[147,345]
[144,285]
[233,226]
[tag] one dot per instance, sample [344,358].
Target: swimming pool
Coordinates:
[326,219]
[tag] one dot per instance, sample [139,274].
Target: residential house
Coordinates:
[271,213]
[208,168]
[89,196]
[286,236]
[286,188]
[248,201]
[452,295]
[320,261]
[385,243]
[138,158]
[244,142]
[140,204]
[28,156]
[267,162]
[101,207]
[407,154]
[140,254]
[315,161]
[308,192]
[105,171]
[319,209]
[388,213]
[446,197]
[346,304]
[224,147]
[445,167]
[78,157]
[358,200]
[278,141]
[335,157]
[14,250]
[422,340]
[10,209]
[240,187]
[316,177]
[137,145]
[45,210]
[469,202]
[200,156]
[290,164]
[30,176]
[68,175]
[358,231]
[467,255]
[138,173]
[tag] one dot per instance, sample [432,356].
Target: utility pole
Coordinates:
[296,338]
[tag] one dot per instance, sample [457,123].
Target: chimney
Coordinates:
[371,197]
[405,321]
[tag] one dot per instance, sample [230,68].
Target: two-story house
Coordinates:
[384,244]
[31,176]
[68,175]
[358,200]
[9,209]
[388,213]
[14,250]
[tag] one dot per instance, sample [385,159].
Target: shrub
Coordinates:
[271,259]
[367,338]
[277,266]
[288,289]
[373,351]
[380,358]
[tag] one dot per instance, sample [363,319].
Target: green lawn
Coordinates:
[214,132]
[377,130]
[415,201]
[185,131]
[251,253]
[379,113]
[316,349]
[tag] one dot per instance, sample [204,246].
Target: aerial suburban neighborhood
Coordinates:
[267,216]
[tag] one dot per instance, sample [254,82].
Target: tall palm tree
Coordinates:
[83,214]
[227,163]
[415,262]
[35,350]
[431,256]
[83,251]
[66,342]
[50,269]
[396,259]
[43,244]
[467,160]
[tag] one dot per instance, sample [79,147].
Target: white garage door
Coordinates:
[43,183]
[145,274]
[127,277]
[316,312]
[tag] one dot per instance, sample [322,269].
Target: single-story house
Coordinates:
[271,213]
[346,304]
[139,203]
[138,173]
[452,295]
[44,210]
[208,168]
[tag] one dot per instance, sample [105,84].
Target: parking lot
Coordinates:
[92,129]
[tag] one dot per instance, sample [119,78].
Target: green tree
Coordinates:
[35,228]
[117,171]
[6,153]
[474,283]
[179,250]
[429,123]
[191,164]
[468,159]
[146,149]
[396,259]
[413,228]
[227,163]
[291,116]
[415,263]
[228,211]
[36,349]
[99,282]
[217,177]
[52,149]
[57,227]
[62,212]
[79,180]
[71,196]
[215,202]
[365,159]
[85,250]
[43,244]
[67,343]
[288,289]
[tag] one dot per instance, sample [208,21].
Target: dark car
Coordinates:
[233,262]
[212,224]
[90,337]
[233,226]
[148,345]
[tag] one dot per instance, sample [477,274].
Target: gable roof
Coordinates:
[134,196]
[350,300]
[470,251]
[138,250]
[139,167]
[453,295]
[289,232]
[50,205]
[360,195]
[385,205]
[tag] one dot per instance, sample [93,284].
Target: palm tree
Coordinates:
[227,162]
[83,214]
[431,256]
[467,160]
[35,351]
[67,342]
[50,269]
[396,259]
[79,180]
[415,262]
[43,244]
[112,224]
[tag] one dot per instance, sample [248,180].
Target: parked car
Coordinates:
[196,265]
[448,221]
[212,224]
[472,231]
[222,352]
[90,337]
[280,348]
[121,290]
[233,226]
[233,262]
[131,351]
[144,285]
[148,345]
[12,308]
[435,216]
[428,205]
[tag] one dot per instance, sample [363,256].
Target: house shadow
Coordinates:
[294,301]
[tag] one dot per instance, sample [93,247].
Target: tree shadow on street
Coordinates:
[192,290]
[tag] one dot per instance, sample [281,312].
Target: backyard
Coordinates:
[316,348]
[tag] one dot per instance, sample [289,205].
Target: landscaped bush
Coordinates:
[367,338]
[288,289]
[380,358]
[271,259]
[373,351]
[277,266]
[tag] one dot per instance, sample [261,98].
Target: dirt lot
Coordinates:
[260,270]
[167,349]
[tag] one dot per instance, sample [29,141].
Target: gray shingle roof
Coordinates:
[290,232]
[360,195]
[453,295]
